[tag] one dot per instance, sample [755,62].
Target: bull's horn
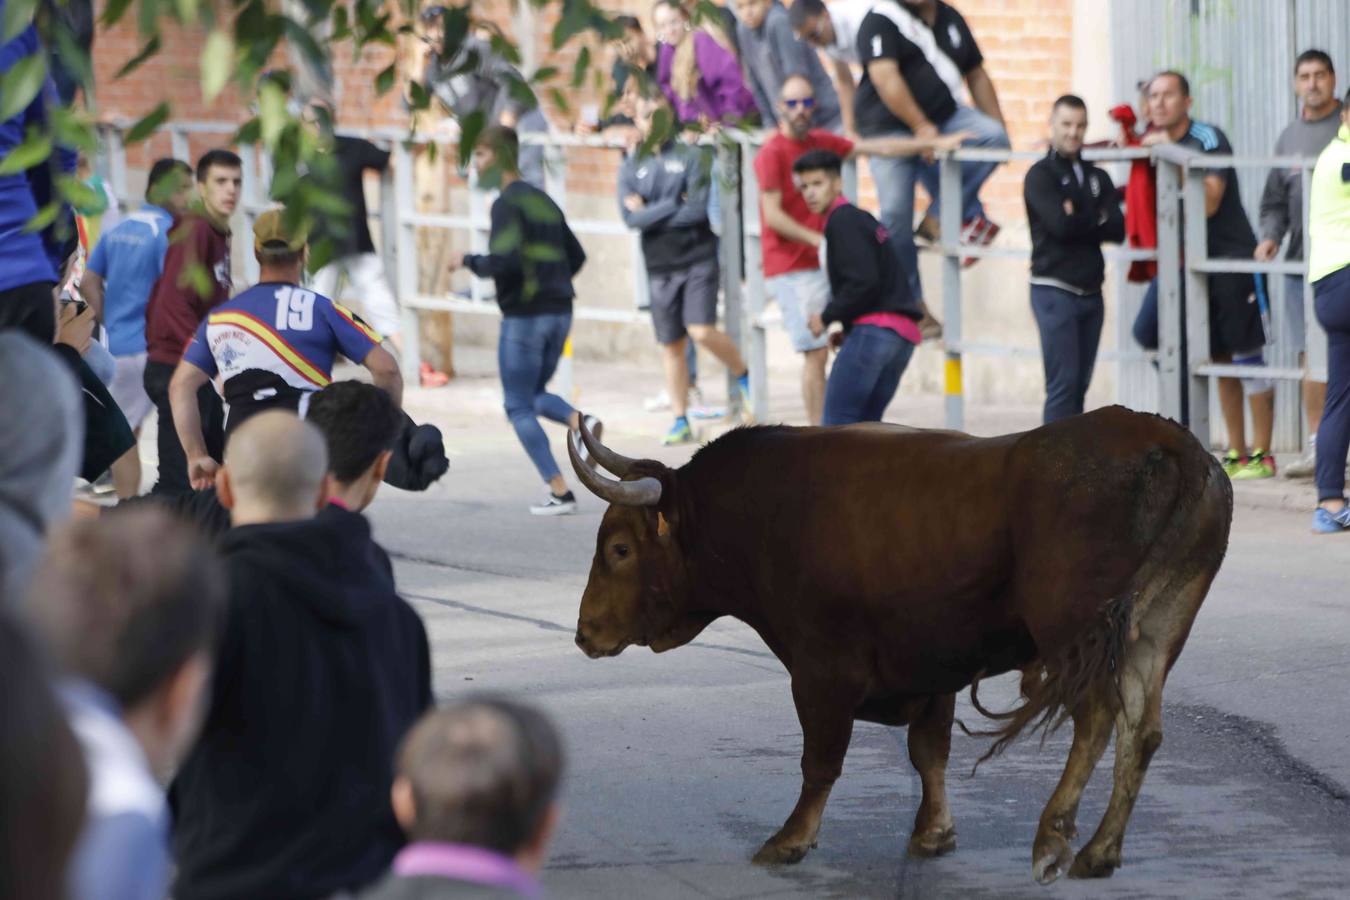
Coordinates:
[645,491]
[606,457]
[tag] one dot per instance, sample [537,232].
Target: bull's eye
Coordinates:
[621,551]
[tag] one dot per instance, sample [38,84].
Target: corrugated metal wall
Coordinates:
[1239,56]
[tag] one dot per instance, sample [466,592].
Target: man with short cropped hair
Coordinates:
[1236,333]
[1072,207]
[195,279]
[321,670]
[476,794]
[272,345]
[131,609]
[868,297]
[1282,213]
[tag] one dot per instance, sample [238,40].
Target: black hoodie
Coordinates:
[321,670]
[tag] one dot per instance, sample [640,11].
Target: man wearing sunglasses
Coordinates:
[790,233]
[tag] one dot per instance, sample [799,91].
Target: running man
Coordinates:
[271,346]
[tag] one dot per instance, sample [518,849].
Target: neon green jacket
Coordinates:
[1329,211]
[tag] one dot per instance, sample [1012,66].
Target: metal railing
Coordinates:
[1184,257]
[1138,382]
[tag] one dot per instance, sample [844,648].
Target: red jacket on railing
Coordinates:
[1141,199]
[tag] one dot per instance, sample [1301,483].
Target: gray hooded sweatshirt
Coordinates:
[1282,199]
[41,442]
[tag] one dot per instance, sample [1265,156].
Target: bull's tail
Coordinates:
[1053,687]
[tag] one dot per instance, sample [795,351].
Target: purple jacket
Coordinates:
[722,95]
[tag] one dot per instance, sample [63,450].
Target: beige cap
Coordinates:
[270,228]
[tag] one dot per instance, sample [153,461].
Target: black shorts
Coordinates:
[1234,315]
[30,308]
[683,298]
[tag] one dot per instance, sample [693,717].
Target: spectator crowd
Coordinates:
[171,638]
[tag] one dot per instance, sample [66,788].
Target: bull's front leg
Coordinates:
[825,709]
[930,743]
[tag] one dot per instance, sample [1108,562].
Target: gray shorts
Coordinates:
[799,296]
[680,299]
[1295,329]
[128,389]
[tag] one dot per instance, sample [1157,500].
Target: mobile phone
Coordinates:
[78,302]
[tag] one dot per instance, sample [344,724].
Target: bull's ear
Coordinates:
[662,525]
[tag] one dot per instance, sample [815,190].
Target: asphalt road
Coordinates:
[681,764]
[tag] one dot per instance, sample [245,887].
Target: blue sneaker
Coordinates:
[1326,522]
[743,386]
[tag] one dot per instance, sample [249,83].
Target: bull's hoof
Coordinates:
[1089,864]
[772,854]
[1050,858]
[934,843]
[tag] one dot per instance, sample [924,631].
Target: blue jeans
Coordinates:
[865,375]
[895,178]
[1071,328]
[1331,295]
[527,355]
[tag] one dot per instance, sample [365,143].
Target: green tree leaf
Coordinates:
[469,130]
[44,217]
[36,146]
[272,112]
[217,62]
[21,84]
[147,125]
[547,73]
[77,193]
[385,80]
[150,49]
[18,16]
[580,67]
[560,100]
[113,12]
[72,128]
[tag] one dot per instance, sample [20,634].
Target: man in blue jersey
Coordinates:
[117,282]
[271,346]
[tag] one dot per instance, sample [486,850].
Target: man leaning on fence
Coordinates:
[1072,207]
[1282,213]
[1236,333]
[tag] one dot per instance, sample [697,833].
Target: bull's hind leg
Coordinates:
[930,743]
[826,715]
[1051,855]
[1162,631]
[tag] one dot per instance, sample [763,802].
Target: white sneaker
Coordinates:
[555,506]
[1302,468]
[658,403]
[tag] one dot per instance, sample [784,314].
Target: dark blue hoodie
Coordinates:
[321,671]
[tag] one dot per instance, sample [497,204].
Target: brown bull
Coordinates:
[889,568]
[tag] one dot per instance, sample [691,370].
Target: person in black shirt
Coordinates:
[320,671]
[354,257]
[868,296]
[1236,333]
[910,86]
[1072,207]
[532,258]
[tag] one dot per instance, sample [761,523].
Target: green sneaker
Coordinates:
[680,433]
[1232,463]
[1258,465]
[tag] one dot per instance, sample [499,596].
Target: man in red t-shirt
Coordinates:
[194,280]
[790,233]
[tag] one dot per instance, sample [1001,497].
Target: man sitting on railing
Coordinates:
[1236,333]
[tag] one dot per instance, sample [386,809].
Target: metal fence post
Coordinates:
[1195,308]
[757,357]
[253,196]
[400,204]
[730,154]
[1170,394]
[950,214]
[555,177]
[1316,339]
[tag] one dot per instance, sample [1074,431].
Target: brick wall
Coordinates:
[1027,45]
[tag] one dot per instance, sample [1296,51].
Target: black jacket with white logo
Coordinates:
[1066,249]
